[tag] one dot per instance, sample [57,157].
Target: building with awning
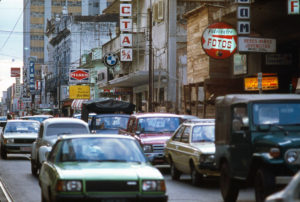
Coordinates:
[77,104]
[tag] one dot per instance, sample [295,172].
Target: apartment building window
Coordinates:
[37,2]
[36,49]
[40,60]
[158,11]
[37,14]
[96,5]
[37,37]
[36,26]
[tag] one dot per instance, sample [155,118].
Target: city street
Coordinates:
[22,186]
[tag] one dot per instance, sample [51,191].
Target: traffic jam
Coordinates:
[150,101]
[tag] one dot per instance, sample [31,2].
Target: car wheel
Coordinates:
[3,153]
[175,174]
[195,176]
[264,184]
[34,169]
[229,186]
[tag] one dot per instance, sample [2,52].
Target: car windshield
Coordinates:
[203,133]
[158,124]
[66,128]
[101,150]
[21,127]
[276,113]
[110,122]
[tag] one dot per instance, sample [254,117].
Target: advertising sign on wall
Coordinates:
[219,40]
[31,77]
[79,92]
[79,75]
[268,83]
[15,72]
[251,44]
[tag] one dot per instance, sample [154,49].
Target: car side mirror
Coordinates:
[93,131]
[44,152]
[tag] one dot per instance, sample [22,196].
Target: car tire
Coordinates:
[3,152]
[175,174]
[264,184]
[229,186]
[195,176]
[34,169]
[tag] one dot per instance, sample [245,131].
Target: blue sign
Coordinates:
[31,77]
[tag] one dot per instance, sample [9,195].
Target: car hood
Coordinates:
[20,135]
[205,147]
[154,138]
[107,171]
[292,139]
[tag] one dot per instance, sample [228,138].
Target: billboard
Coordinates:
[15,72]
[79,92]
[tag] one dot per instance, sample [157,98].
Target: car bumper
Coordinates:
[18,148]
[156,158]
[125,198]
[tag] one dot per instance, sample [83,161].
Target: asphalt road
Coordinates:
[16,178]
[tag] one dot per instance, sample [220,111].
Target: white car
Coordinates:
[49,132]
[18,136]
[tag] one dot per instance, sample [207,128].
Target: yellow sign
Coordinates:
[79,92]
[268,83]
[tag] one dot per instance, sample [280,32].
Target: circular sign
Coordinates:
[219,40]
[110,60]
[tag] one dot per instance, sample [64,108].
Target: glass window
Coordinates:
[159,124]
[203,133]
[276,113]
[101,149]
[178,134]
[111,122]
[22,127]
[186,134]
[66,128]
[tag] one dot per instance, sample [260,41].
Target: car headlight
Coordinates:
[9,141]
[147,148]
[69,186]
[154,185]
[291,156]
[207,158]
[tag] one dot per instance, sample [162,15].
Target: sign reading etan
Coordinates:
[219,40]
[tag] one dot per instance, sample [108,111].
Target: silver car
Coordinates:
[18,136]
[49,132]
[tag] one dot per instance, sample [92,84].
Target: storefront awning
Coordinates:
[77,104]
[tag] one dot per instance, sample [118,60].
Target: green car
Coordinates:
[106,168]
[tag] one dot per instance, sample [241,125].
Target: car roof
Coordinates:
[118,136]
[20,120]
[64,120]
[144,115]
[199,122]
[246,98]
[124,115]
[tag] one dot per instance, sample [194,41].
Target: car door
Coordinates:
[173,144]
[240,142]
[183,156]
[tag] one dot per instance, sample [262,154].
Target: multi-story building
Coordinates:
[36,15]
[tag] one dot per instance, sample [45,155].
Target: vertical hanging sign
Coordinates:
[126,31]
[243,16]
[31,77]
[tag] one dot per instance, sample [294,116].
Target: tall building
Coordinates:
[36,15]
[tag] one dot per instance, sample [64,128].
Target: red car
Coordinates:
[152,130]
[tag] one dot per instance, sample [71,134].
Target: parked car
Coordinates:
[109,123]
[257,141]
[289,194]
[49,131]
[152,130]
[191,150]
[18,136]
[99,168]
[39,118]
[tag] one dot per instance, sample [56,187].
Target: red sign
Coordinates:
[15,72]
[219,40]
[79,74]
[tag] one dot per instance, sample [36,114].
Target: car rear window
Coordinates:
[66,128]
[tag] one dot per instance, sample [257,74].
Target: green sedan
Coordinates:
[106,168]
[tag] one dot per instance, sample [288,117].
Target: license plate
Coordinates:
[27,149]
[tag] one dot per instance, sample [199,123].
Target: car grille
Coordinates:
[112,186]
[158,148]
[24,141]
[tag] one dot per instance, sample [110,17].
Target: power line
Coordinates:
[14,26]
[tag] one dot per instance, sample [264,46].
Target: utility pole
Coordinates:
[150,97]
